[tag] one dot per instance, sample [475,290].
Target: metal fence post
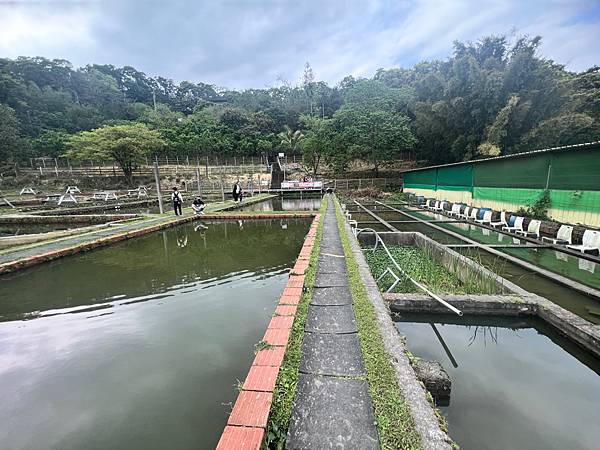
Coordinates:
[158,188]
[198,176]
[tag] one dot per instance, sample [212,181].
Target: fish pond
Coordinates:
[516,384]
[141,344]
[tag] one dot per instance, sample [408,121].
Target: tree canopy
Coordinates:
[490,97]
[128,145]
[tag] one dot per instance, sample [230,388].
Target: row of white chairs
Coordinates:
[564,235]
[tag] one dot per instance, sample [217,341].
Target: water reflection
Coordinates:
[139,345]
[286,204]
[517,384]
[150,265]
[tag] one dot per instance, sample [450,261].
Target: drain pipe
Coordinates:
[412,280]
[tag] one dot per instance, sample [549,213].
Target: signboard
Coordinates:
[281,155]
[301,185]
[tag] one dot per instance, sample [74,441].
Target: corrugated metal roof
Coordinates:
[583,146]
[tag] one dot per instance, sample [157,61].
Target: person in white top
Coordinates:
[177,201]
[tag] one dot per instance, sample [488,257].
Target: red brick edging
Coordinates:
[248,420]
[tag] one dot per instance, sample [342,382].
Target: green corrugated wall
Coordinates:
[572,176]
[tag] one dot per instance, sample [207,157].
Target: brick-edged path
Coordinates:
[248,420]
[332,407]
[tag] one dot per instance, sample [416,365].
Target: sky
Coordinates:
[242,44]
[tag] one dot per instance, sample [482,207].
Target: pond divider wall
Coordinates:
[464,268]
[247,423]
[521,302]
[43,254]
[63,219]
[426,422]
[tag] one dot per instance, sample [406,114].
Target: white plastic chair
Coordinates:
[435,205]
[487,217]
[564,236]
[465,214]
[518,226]
[590,241]
[532,229]
[440,207]
[502,222]
[473,213]
[455,211]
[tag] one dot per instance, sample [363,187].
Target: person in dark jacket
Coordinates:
[237,192]
[177,201]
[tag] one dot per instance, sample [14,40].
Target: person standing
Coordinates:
[177,201]
[237,191]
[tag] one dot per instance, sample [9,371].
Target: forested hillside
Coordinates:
[489,98]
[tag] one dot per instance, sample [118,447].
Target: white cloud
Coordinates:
[43,30]
[249,43]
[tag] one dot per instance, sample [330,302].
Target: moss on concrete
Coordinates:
[392,414]
[285,387]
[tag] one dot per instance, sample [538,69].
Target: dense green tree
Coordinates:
[318,143]
[50,143]
[490,97]
[127,145]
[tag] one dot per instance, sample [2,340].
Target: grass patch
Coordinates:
[287,380]
[422,268]
[394,422]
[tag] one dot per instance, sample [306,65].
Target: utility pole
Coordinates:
[158,189]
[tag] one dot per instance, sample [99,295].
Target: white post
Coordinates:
[158,189]
[198,176]
[222,188]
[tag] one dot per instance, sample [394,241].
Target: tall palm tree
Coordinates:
[290,138]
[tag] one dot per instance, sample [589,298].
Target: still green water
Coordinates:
[517,384]
[139,345]
[285,204]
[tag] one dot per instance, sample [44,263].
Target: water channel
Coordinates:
[139,345]
[517,384]
[573,267]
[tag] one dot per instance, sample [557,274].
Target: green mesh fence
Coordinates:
[509,195]
[530,173]
[455,178]
[559,199]
[573,177]
[579,170]
[575,200]
[421,179]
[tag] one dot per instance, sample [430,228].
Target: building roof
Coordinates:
[584,146]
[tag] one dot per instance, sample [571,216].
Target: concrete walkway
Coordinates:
[332,408]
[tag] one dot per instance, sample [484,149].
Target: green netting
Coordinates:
[509,195]
[575,200]
[421,179]
[455,178]
[559,199]
[528,172]
[576,170]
